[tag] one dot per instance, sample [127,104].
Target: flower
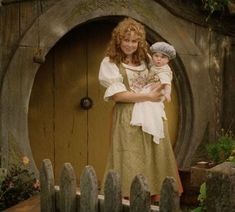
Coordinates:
[36,185]
[19,184]
[11,185]
[25,160]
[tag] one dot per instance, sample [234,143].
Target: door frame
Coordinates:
[54,24]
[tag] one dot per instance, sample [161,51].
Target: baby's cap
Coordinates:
[164,48]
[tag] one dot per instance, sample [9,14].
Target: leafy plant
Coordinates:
[201,198]
[19,184]
[231,159]
[221,150]
[214,5]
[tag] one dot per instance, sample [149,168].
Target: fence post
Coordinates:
[89,190]
[47,194]
[220,188]
[169,197]
[67,189]
[140,195]
[112,192]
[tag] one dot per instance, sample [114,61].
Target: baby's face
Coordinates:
[160,59]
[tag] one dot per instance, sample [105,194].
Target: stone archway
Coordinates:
[58,21]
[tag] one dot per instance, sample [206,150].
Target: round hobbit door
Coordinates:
[68,118]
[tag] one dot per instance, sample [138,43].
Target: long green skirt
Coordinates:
[134,152]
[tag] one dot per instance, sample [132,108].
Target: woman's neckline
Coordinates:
[140,67]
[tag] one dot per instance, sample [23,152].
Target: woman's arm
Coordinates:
[128,96]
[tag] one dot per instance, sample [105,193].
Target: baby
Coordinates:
[150,115]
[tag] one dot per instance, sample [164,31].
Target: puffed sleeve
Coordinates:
[164,73]
[165,77]
[110,77]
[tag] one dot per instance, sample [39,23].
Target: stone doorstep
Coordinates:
[198,176]
[190,194]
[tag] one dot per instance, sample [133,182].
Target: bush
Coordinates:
[222,149]
[213,6]
[18,184]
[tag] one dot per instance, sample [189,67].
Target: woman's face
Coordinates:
[129,43]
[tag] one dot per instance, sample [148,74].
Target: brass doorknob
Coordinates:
[86,103]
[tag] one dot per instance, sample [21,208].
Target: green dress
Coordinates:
[133,151]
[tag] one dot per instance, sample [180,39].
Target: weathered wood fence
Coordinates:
[66,197]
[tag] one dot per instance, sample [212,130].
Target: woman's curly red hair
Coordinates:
[114,51]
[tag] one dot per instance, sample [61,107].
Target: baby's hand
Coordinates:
[168,97]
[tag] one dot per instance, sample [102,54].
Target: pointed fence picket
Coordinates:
[67,189]
[66,198]
[112,193]
[47,194]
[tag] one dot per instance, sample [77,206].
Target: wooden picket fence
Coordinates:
[67,198]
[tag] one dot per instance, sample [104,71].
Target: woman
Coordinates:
[124,73]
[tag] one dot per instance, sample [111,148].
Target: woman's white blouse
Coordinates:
[111,78]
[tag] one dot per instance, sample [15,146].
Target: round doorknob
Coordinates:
[86,103]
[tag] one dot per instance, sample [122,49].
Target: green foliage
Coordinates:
[3,173]
[17,185]
[221,150]
[231,159]
[214,5]
[201,198]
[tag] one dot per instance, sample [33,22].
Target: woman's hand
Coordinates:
[156,93]
[153,95]
[154,85]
